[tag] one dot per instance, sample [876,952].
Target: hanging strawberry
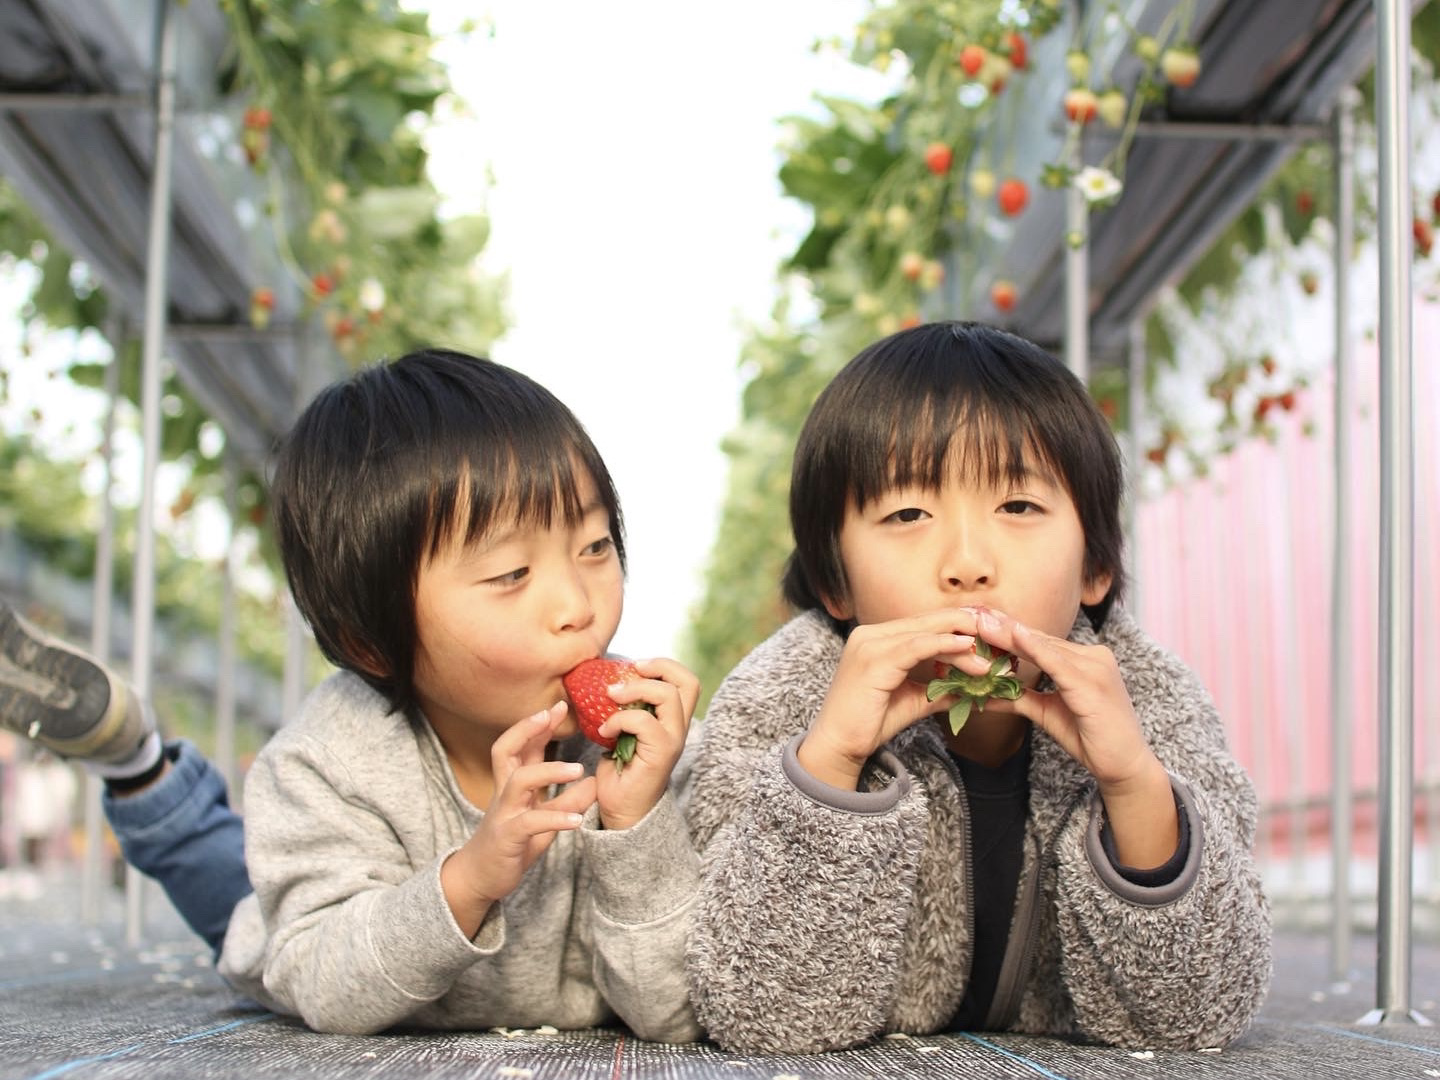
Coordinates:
[972,59]
[262,304]
[1304,202]
[1003,295]
[975,690]
[912,263]
[1081,105]
[1180,66]
[1012,195]
[938,158]
[1019,53]
[1424,237]
[1111,107]
[255,134]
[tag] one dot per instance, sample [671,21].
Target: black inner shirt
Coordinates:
[998,799]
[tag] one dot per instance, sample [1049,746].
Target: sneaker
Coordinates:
[63,699]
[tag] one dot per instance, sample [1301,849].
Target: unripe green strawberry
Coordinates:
[586,685]
[975,690]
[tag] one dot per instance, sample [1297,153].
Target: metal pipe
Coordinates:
[1077,275]
[1342,682]
[1397,540]
[43,102]
[100,626]
[157,261]
[225,668]
[1135,407]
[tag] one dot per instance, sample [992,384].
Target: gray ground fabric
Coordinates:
[78,1002]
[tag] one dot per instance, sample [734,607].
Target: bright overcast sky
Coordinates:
[637,211]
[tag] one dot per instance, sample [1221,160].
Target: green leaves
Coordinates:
[975,690]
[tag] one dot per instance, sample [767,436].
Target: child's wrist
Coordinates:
[827,764]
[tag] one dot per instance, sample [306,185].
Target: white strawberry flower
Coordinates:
[1097,185]
[372,295]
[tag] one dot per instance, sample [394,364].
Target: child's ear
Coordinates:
[1096,589]
[839,610]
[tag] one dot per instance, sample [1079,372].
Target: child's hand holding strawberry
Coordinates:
[874,694]
[1090,715]
[641,711]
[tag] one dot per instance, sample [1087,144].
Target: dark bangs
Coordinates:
[525,470]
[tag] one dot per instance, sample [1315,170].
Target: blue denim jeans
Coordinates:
[181,832]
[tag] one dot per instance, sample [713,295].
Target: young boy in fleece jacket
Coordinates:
[1075,862]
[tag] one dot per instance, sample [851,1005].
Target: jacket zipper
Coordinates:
[1005,1007]
[1015,968]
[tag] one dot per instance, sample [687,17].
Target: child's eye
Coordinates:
[599,547]
[1018,506]
[514,577]
[908,515]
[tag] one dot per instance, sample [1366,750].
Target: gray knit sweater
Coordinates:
[349,812]
[827,918]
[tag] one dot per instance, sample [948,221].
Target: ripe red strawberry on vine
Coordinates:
[975,690]
[586,685]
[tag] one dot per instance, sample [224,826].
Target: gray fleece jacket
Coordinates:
[827,918]
[349,812]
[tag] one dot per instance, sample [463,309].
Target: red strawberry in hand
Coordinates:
[975,690]
[586,684]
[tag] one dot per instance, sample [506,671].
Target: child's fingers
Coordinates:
[575,799]
[677,675]
[519,789]
[524,742]
[673,704]
[661,730]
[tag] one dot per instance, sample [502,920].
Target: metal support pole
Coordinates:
[1342,682]
[1397,539]
[1077,275]
[1136,404]
[225,668]
[100,626]
[157,261]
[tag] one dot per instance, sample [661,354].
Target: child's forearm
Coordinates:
[1143,819]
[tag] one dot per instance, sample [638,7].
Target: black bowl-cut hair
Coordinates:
[385,467]
[892,417]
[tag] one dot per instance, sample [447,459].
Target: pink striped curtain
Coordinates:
[1232,573]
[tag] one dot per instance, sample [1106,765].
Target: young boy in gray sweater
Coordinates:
[430,842]
[1076,861]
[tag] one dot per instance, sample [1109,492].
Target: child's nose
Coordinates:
[573,609]
[969,563]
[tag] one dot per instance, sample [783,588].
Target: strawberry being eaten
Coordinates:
[974,691]
[586,685]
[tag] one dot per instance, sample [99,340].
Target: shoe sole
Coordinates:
[57,696]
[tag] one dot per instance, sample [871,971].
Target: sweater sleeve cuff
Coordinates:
[1164,884]
[854,802]
[645,872]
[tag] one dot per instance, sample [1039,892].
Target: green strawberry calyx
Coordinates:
[975,690]
[625,742]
